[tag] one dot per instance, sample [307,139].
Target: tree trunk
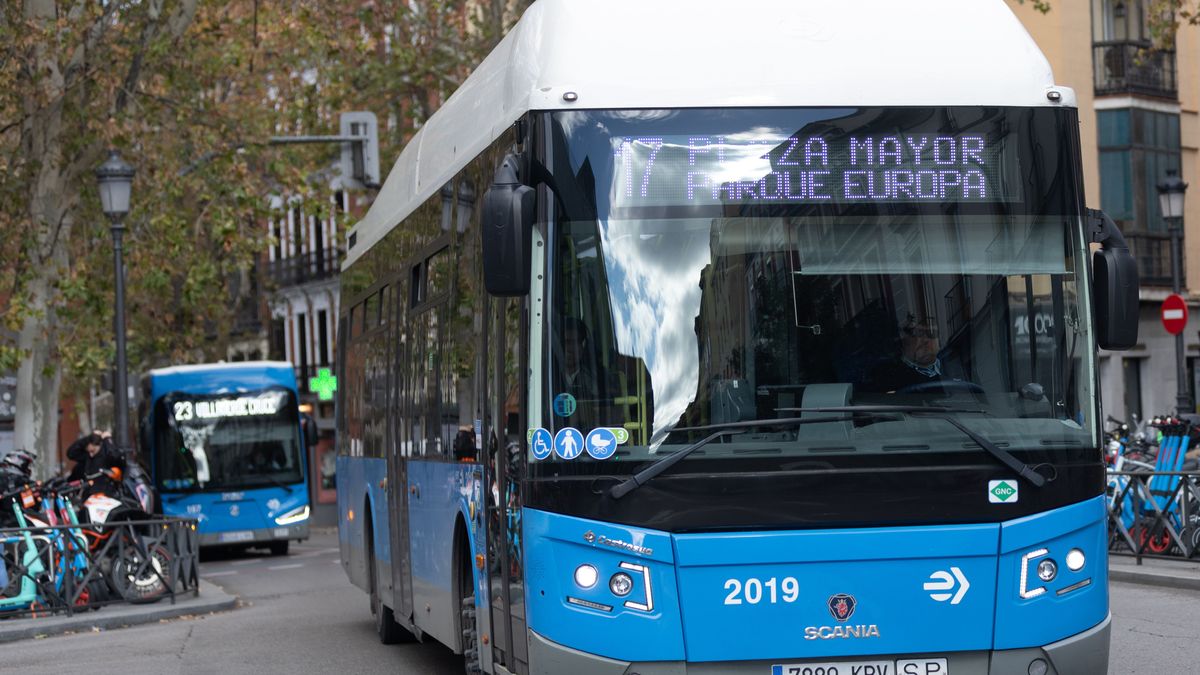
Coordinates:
[39,377]
[38,380]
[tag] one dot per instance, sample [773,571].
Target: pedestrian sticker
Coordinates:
[564,405]
[601,443]
[542,443]
[568,443]
[621,434]
[1002,491]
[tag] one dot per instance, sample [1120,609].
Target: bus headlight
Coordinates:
[294,516]
[1075,560]
[620,584]
[1047,570]
[586,576]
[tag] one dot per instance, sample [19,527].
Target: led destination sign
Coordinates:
[261,405]
[911,167]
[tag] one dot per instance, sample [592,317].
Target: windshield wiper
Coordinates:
[729,429]
[276,482]
[1023,470]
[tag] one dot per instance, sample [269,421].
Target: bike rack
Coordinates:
[1136,515]
[71,566]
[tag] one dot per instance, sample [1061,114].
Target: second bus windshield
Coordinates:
[228,441]
[710,267]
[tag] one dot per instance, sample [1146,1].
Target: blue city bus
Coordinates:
[690,337]
[224,444]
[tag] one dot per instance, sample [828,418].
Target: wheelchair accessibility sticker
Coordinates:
[542,443]
[568,443]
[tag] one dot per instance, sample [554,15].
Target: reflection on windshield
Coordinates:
[226,442]
[665,318]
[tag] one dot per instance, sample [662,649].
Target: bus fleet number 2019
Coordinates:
[753,591]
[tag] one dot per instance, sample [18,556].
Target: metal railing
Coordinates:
[1146,520]
[1124,67]
[54,569]
[310,266]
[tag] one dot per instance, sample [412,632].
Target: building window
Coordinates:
[1123,56]
[278,340]
[323,337]
[1137,148]
[302,343]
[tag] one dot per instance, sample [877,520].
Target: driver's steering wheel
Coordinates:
[933,386]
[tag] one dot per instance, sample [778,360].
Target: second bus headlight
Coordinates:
[294,516]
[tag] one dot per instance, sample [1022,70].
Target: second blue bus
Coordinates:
[225,444]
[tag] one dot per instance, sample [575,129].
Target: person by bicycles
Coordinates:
[94,454]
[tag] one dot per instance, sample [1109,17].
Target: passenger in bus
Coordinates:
[464,445]
[588,386]
[265,458]
[918,365]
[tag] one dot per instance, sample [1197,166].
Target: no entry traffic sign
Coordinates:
[1174,314]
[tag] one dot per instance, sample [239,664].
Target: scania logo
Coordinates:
[841,606]
[589,536]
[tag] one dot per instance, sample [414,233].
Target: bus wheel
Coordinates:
[278,547]
[470,631]
[389,631]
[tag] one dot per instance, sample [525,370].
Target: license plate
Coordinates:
[281,532]
[230,537]
[901,667]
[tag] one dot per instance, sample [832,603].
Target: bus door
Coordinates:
[503,472]
[399,444]
[430,498]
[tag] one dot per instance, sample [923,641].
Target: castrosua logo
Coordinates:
[1002,491]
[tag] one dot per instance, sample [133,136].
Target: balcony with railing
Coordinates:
[306,267]
[1132,67]
[1152,251]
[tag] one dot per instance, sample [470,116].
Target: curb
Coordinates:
[1154,578]
[212,599]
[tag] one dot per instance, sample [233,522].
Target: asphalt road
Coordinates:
[299,614]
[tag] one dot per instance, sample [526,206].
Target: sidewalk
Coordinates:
[211,599]
[1184,574]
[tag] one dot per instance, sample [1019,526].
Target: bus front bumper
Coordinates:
[265,535]
[1085,653]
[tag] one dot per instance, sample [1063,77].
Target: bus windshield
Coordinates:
[710,267]
[227,441]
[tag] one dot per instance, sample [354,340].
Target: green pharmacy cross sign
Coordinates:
[324,384]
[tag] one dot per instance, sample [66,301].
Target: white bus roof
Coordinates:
[713,53]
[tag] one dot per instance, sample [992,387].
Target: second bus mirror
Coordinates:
[310,431]
[508,212]
[1115,287]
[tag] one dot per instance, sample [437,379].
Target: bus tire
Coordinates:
[278,547]
[470,634]
[386,628]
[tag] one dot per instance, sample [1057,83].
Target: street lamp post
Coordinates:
[115,178]
[1170,201]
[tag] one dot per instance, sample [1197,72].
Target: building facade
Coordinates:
[1139,111]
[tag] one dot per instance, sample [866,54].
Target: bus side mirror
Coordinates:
[310,431]
[508,212]
[1114,285]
